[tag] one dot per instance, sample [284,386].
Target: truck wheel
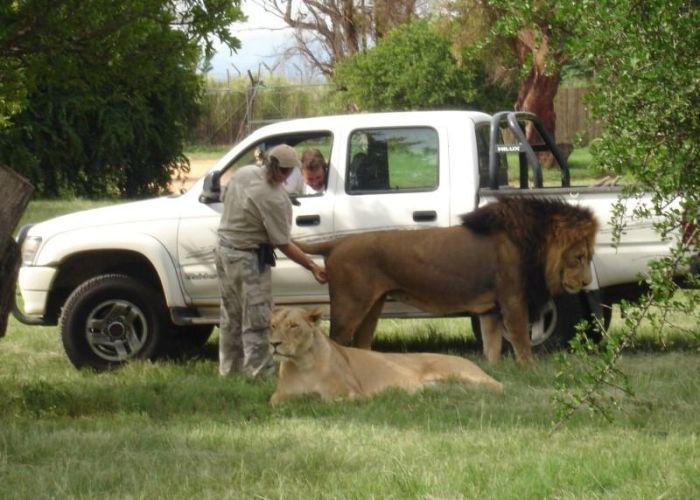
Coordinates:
[556,325]
[112,319]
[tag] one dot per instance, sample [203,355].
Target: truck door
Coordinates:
[197,234]
[395,178]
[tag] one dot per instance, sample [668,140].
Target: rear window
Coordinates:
[393,159]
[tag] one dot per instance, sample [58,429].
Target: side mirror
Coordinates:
[211,190]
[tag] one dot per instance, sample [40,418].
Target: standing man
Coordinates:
[257,217]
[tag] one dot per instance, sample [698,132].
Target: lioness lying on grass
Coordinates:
[310,363]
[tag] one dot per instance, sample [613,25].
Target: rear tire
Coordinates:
[112,319]
[556,326]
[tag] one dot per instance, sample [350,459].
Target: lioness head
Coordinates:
[292,332]
[568,264]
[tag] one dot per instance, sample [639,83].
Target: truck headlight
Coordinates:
[30,246]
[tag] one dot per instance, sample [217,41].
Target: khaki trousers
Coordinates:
[246,305]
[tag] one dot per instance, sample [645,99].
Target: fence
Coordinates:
[574,122]
[230,113]
[233,110]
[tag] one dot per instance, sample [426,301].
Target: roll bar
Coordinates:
[515,122]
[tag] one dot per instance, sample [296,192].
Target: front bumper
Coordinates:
[34,284]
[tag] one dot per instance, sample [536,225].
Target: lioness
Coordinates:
[503,263]
[310,362]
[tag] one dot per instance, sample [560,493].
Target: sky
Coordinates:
[263,37]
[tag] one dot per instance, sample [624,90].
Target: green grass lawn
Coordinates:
[177,430]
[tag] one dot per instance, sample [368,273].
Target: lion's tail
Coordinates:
[322,248]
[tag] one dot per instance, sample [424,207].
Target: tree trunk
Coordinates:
[538,89]
[536,95]
[15,192]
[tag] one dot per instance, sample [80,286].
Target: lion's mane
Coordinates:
[533,225]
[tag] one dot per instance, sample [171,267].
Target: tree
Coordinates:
[646,92]
[105,87]
[534,34]
[413,68]
[328,32]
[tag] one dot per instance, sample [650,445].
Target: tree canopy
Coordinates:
[327,33]
[96,95]
[521,41]
[646,92]
[413,68]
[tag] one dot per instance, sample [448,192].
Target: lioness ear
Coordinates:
[314,315]
[276,314]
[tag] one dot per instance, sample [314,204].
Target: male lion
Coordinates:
[310,362]
[503,263]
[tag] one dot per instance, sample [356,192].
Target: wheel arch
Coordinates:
[137,255]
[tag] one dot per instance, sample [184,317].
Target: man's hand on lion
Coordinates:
[292,251]
[319,273]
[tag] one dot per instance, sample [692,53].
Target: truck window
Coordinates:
[392,159]
[253,155]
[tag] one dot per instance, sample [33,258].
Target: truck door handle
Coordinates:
[308,220]
[424,215]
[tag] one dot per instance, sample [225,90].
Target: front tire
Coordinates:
[112,319]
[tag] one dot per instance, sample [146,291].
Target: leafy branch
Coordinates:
[600,362]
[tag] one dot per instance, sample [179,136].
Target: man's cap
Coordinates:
[286,156]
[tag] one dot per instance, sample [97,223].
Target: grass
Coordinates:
[39,210]
[176,430]
[579,170]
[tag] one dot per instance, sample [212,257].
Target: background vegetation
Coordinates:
[646,89]
[413,68]
[96,96]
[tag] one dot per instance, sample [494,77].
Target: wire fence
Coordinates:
[231,110]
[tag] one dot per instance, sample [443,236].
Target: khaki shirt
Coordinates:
[254,212]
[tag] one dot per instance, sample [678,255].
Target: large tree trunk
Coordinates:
[15,192]
[536,95]
[538,89]
[389,14]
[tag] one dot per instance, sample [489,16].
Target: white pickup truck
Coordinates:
[121,281]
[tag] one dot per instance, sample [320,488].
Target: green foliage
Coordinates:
[413,68]
[647,94]
[647,90]
[110,87]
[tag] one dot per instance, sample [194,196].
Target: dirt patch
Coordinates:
[198,167]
